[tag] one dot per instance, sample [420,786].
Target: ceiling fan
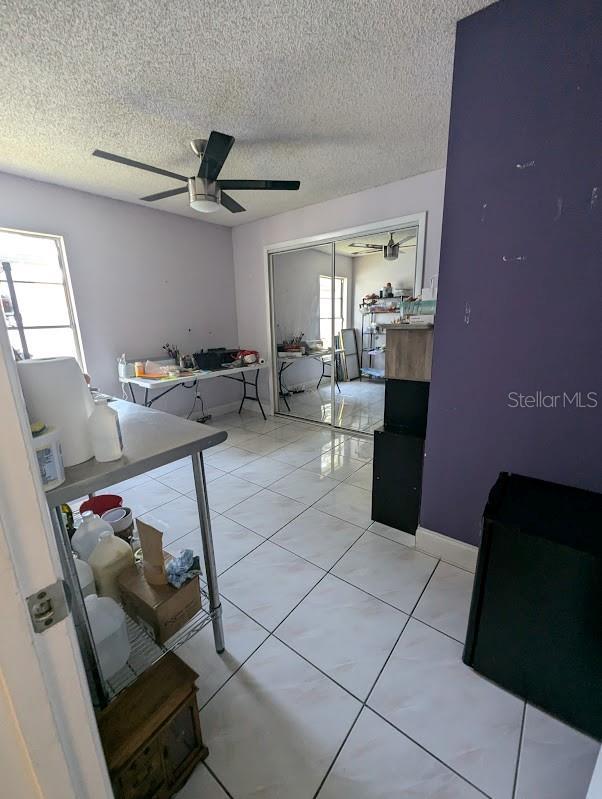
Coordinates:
[391,249]
[206,192]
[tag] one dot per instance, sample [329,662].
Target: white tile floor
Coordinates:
[359,405]
[342,676]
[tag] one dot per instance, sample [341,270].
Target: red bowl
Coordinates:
[101,503]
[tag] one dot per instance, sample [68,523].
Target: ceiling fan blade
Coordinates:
[230,203]
[162,194]
[368,246]
[409,237]
[138,164]
[263,185]
[216,152]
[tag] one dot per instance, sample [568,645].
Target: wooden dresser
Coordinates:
[151,732]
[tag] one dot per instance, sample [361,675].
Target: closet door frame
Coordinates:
[413,220]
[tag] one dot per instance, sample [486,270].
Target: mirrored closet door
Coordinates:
[332,303]
[303,331]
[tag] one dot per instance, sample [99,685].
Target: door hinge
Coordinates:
[49,605]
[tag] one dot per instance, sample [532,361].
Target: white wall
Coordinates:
[402,198]
[140,277]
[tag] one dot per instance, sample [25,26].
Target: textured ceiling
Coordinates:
[342,96]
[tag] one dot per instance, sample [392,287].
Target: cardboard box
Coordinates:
[161,609]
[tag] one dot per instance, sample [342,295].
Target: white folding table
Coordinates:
[167,384]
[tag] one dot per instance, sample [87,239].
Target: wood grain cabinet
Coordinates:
[409,352]
[151,733]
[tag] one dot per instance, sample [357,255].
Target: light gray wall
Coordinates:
[401,198]
[296,300]
[140,277]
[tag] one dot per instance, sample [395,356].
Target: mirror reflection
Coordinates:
[330,324]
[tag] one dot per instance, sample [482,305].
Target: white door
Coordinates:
[49,744]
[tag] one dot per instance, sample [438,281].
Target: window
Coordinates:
[340,299]
[36,297]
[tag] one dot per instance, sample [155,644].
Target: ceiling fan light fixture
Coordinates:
[205,204]
[204,195]
[391,250]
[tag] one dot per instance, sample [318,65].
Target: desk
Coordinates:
[192,380]
[286,361]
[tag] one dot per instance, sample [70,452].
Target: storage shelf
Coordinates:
[151,438]
[145,650]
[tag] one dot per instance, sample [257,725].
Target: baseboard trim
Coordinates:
[448,549]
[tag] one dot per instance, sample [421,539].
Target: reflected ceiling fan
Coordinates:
[391,249]
[206,192]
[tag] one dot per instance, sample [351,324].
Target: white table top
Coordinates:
[151,438]
[201,374]
[283,356]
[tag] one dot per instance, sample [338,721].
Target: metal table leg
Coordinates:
[281,391]
[257,396]
[208,554]
[80,617]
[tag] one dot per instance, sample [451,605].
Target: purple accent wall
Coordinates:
[520,287]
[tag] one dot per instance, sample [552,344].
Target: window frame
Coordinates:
[330,319]
[67,289]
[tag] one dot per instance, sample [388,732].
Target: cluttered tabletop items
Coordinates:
[187,371]
[177,366]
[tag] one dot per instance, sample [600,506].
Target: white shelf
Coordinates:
[144,650]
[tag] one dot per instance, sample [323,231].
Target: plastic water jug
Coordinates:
[109,631]
[105,432]
[85,576]
[110,556]
[87,534]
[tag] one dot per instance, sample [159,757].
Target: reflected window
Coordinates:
[340,303]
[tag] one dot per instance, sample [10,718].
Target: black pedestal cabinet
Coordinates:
[399,455]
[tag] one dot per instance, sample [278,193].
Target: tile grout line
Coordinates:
[520,747]
[424,749]
[216,778]
[365,705]
[326,572]
[273,634]
[291,648]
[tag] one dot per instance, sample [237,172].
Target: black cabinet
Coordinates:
[399,454]
[535,624]
[406,403]
[397,479]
